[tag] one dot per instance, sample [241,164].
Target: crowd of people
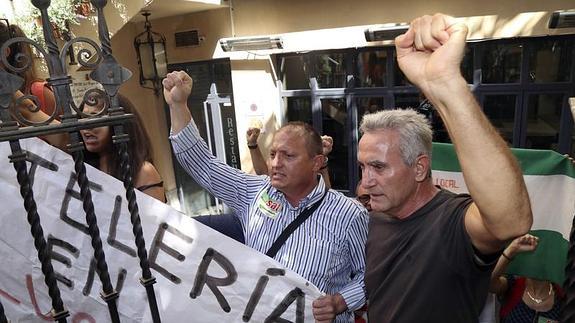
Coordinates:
[405,250]
[422,240]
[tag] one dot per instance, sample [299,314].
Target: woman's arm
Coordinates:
[498,284]
[148,175]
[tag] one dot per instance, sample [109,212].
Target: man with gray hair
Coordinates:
[430,252]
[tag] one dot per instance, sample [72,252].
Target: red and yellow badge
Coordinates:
[269,207]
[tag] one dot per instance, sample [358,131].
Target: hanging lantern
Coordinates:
[152,59]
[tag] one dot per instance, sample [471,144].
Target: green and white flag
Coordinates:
[550,180]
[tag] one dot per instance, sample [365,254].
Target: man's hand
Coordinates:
[177,87]
[326,145]
[523,243]
[430,52]
[252,136]
[325,308]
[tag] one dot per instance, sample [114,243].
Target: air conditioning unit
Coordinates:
[188,38]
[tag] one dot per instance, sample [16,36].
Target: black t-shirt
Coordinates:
[424,268]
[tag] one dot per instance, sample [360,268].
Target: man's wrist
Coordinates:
[252,146]
[340,304]
[438,92]
[178,105]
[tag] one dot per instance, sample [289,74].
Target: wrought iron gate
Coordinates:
[15,126]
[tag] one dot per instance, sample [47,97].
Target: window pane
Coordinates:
[551,61]
[299,109]
[371,68]
[467,65]
[330,70]
[368,105]
[500,109]
[440,133]
[222,72]
[334,125]
[501,63]
[295,74]
[414,101]
[543,121]
[407,101]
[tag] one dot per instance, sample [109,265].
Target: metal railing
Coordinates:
[15,126]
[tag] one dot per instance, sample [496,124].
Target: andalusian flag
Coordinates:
[550,180]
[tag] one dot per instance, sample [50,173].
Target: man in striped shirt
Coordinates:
[327,248]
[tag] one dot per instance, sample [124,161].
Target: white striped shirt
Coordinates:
[328,249]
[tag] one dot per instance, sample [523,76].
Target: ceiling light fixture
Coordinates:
[384,33]
[251,43]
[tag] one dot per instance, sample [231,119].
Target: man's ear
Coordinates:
[422,168]
[318,162]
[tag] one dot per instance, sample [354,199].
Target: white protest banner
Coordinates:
[238,283]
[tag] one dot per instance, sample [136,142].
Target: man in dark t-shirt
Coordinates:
[437,261]
[430,252]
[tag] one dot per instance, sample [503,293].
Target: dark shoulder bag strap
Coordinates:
[293,226]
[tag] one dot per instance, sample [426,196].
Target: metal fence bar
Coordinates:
[111,75]
[59,79]
[109,294]
[18,158]
[9,84]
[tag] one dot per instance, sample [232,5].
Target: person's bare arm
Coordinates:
[177,87]
[148,175]
[430,54]
[258,161]
[326,146]
[49,99]
[525,243]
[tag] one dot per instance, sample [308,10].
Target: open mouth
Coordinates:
[89,138]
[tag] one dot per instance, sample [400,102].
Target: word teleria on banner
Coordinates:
[200,273]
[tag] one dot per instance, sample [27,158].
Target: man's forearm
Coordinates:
[260,166]
[180,116]
[491,172]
